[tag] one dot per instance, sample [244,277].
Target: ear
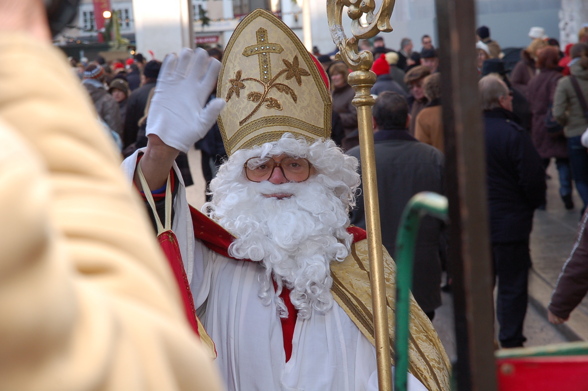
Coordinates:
[408,118]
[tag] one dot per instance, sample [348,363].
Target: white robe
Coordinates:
[328,350]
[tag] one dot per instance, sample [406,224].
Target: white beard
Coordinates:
[295,238]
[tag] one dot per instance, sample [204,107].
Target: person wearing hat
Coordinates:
[396,72]
[537,33]
[429,121]
[106,106]
[384,80]
[119,89]
[138,101]
[483,34]
[414,80]
[277,273]
[483,54]
[430,59]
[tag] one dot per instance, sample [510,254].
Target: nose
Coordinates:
[277,177]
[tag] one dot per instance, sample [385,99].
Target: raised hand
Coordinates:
[178,114]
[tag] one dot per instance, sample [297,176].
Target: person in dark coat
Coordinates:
[106,106]
[516,187]
[119,89]
[520,105]
[134,77]
[384,80]
[525,69]
[415,79]
[540,93]
[342,94]
[138,102]
[404,167]
[572,283]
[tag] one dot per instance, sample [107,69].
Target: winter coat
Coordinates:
[429,125]
[342,98]
[385,83]
[106,107]
[572,283]
[135,111]
[398,74]
[494,47]
[404,167]
[515,177]
[415,108]
[566,106]
[523,72]
[540,92]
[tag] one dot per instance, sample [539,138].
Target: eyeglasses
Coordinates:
[426,42]
[294,169]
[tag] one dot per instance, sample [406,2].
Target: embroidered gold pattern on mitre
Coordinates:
[263,49]
[272,85]
[428,361]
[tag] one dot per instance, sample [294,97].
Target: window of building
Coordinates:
[124,18]
[88,22]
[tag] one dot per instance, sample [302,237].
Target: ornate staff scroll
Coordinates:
[362,80]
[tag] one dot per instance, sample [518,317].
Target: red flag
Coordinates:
[99,7]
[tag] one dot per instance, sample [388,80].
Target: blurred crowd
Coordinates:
[534,113]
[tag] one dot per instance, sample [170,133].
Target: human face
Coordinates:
[427,43]
[118,95]
[482,56]
[408,48]
[505,100]
[278,170]
[416,89]
[338,80]
[431,63]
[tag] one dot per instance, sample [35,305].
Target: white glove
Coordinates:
[177,113]
[584,138]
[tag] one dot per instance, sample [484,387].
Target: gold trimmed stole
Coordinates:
[351,289]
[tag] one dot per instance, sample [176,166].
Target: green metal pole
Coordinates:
[421,204]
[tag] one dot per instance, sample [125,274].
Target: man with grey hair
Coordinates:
[404,53]
[516,187]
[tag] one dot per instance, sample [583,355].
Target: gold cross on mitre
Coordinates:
[263,49]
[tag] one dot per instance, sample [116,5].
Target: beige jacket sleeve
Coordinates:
[86,297]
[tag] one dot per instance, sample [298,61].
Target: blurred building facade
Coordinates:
[213,21]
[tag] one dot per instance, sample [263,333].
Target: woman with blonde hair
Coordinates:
[525,69]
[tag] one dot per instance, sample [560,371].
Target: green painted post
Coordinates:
[418,206]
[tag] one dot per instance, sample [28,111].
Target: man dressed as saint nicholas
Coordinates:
[279,278]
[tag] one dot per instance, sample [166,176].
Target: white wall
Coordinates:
[162,27]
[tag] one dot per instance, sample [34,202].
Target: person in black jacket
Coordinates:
[138,102]
[516,187]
